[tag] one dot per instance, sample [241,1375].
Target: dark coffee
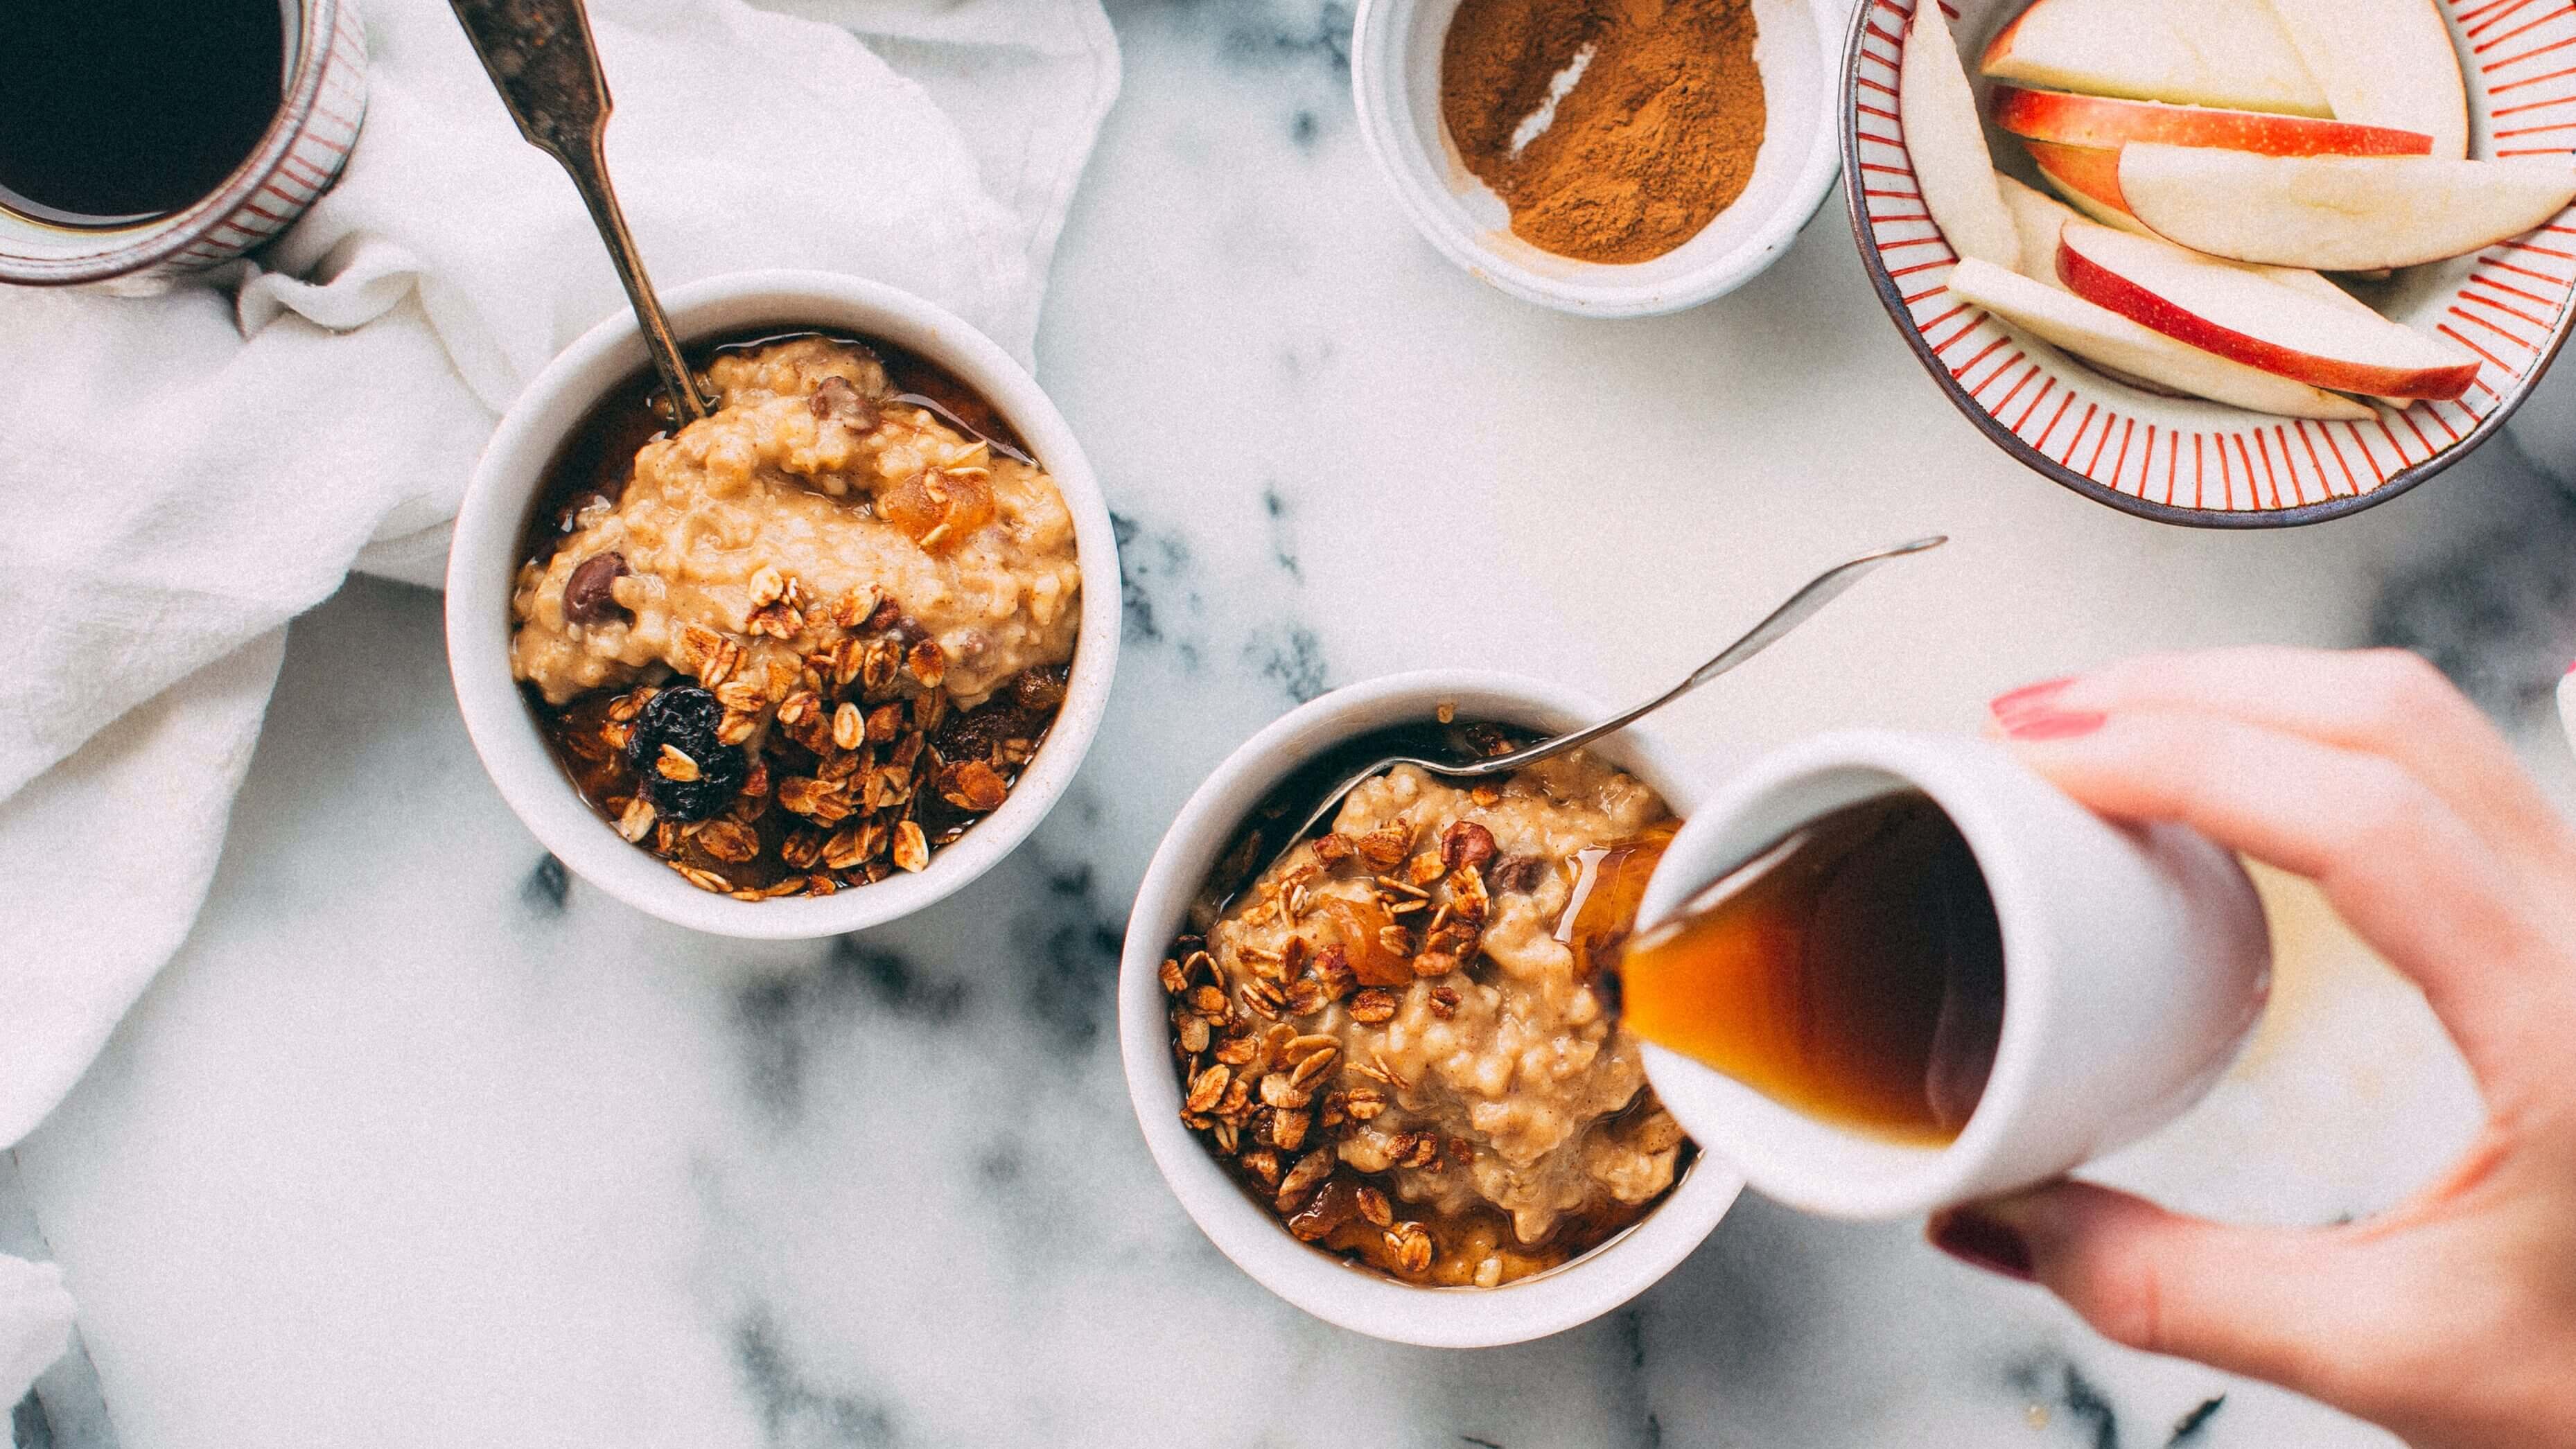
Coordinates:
[1853,971]
[114,112]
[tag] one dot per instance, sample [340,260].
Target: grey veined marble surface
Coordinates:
[420,1143]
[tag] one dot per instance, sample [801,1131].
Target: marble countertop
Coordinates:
[419,1143]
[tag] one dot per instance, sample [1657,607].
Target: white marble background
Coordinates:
[418,1143]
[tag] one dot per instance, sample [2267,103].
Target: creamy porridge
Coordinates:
[1394,1038]
[805,641]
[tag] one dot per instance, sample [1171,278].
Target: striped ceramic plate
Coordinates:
[2185,461]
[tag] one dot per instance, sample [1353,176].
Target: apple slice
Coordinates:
[2240,313]
[2100,335]
[1945,138]
[2037,218]
[2384,63]
[2338,213]
[2105,121]
[2088,176]
[2230,53]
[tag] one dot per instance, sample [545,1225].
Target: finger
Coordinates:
[2394,859]
[2385,702]
[2313,1311]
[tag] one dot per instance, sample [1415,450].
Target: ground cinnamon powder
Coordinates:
[1656,136]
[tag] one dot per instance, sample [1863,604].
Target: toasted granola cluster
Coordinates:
[854,763]
[1388,1042]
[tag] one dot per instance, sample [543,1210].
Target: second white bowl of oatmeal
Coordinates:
[1339,1293]
[507,483]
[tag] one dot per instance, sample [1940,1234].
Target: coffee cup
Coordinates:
[295,156]
[2135,962]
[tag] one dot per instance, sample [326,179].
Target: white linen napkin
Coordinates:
[184,474]
[35,1324]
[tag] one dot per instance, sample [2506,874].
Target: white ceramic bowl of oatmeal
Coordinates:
[1251,1232]
[511,480]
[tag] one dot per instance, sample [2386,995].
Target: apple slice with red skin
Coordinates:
[2135,354]
[2242,314]
[2110,123]
[2231,53]
[2089,177]
[2338,213]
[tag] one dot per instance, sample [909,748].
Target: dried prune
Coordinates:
[589,596]
[685,718]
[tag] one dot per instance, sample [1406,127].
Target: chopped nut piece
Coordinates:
[1372,1006]
[1173,981]
[1466,845]
[1444,1002]
[1386,847]
[1332,971]
[1422,870]
[1332,850]
[1363,1103]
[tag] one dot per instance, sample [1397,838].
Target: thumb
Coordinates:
[2270,1303]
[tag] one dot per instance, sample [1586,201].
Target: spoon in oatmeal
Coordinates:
[541,59]
[1311,795]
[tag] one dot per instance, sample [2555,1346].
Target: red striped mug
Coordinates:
[296,160]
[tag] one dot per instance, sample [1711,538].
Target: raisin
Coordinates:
[588,596]
[685,718]
[1038,690]
[1520,874]
[835,397]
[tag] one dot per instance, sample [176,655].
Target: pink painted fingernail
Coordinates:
[2029,695]
[2053,724]
[1981,1242]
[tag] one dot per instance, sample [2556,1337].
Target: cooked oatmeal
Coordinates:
[806,471]
[1394,1034]
[807,640]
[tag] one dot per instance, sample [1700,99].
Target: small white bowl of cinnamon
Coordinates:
[1613,158]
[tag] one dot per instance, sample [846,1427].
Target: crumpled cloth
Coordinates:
[35,1324]
[181,475]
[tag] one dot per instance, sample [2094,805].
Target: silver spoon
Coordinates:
[540,57]
[1241,865]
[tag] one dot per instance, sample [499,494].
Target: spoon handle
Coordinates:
[541,59]
[1801,606]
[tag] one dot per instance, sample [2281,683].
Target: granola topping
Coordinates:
[806,642]
[1392,1037]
